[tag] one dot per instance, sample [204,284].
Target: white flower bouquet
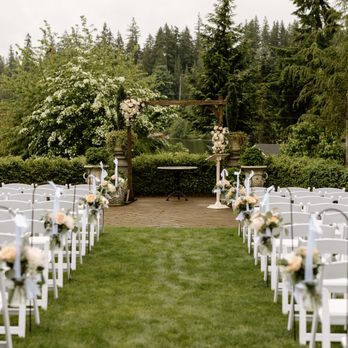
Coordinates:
[219,140]
[130,109]
[292,269]
[244,206]
[95,203]
[264,225]
[32,263]
[64,223]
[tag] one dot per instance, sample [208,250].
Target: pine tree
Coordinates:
[133,47]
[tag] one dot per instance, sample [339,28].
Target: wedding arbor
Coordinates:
[216,105]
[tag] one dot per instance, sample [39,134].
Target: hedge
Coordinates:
[148,180]
[283,171]
[286,171]
[41,170]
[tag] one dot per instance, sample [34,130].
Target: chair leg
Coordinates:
[36,312]
[291,312]
[314,329]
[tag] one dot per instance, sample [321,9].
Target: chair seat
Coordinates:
[338,311]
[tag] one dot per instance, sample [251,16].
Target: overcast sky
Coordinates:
[19,17]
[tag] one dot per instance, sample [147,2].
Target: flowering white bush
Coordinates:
[79,102]
[219,140]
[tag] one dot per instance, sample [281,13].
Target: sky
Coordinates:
[19,17]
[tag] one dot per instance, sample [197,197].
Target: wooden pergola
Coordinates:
[217,105]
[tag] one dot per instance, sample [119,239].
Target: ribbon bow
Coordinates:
[265,200]
[57,194]
[21,226]
[314,228]
[116,171]
[247,182]
[104,173]
[94,183]
[223,174]
[237,174]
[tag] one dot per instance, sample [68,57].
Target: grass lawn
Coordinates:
[163,288]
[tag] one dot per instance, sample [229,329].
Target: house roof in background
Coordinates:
[269,149]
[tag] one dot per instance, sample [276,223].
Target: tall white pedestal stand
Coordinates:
[217,158]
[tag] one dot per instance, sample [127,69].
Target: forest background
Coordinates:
[282,84]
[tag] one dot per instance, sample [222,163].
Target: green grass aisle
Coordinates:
[164,288]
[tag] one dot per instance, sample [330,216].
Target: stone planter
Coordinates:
[260,175]
[93,170]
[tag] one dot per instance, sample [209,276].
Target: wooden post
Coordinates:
[129,163]
[219,112]
[347,130]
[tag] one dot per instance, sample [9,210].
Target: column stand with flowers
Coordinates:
[219,145]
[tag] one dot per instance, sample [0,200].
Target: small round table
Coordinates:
[179,170]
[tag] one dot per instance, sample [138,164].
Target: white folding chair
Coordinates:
[330,250]
[6,327]
[21,311]
[311,199]
[334,309]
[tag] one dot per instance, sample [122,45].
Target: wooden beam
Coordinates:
[167,102]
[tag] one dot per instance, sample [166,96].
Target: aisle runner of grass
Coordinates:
[164,288]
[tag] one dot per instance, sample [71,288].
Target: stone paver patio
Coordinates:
[157,212]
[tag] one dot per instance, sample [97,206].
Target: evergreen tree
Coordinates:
[133,47]
[148,55]
[186,50]
[312,38]
[222,61]
[119,42]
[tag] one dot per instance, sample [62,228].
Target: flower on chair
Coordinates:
[107,189]
[222,186]
[292,269]
[95,203]
[64,223]
[264,225]
[32,263]
[244,206]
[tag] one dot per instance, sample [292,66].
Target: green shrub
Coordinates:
[305,172]
[95,155]
[148,180]
[41,170]
[252,156]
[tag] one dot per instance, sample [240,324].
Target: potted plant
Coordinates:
[116,142]
[253,159]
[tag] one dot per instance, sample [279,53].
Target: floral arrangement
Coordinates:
[231,193]
[244,206]
[94,203]
[26,286]
[219,140]
[264,224]
[130,109]
[122,183]
[222,186]
[64,223]
[292,268]
[107,189]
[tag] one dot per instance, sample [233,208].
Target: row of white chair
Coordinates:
[334,226]
[64,260]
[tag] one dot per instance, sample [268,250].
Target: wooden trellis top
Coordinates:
[218,105]
[167,102]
